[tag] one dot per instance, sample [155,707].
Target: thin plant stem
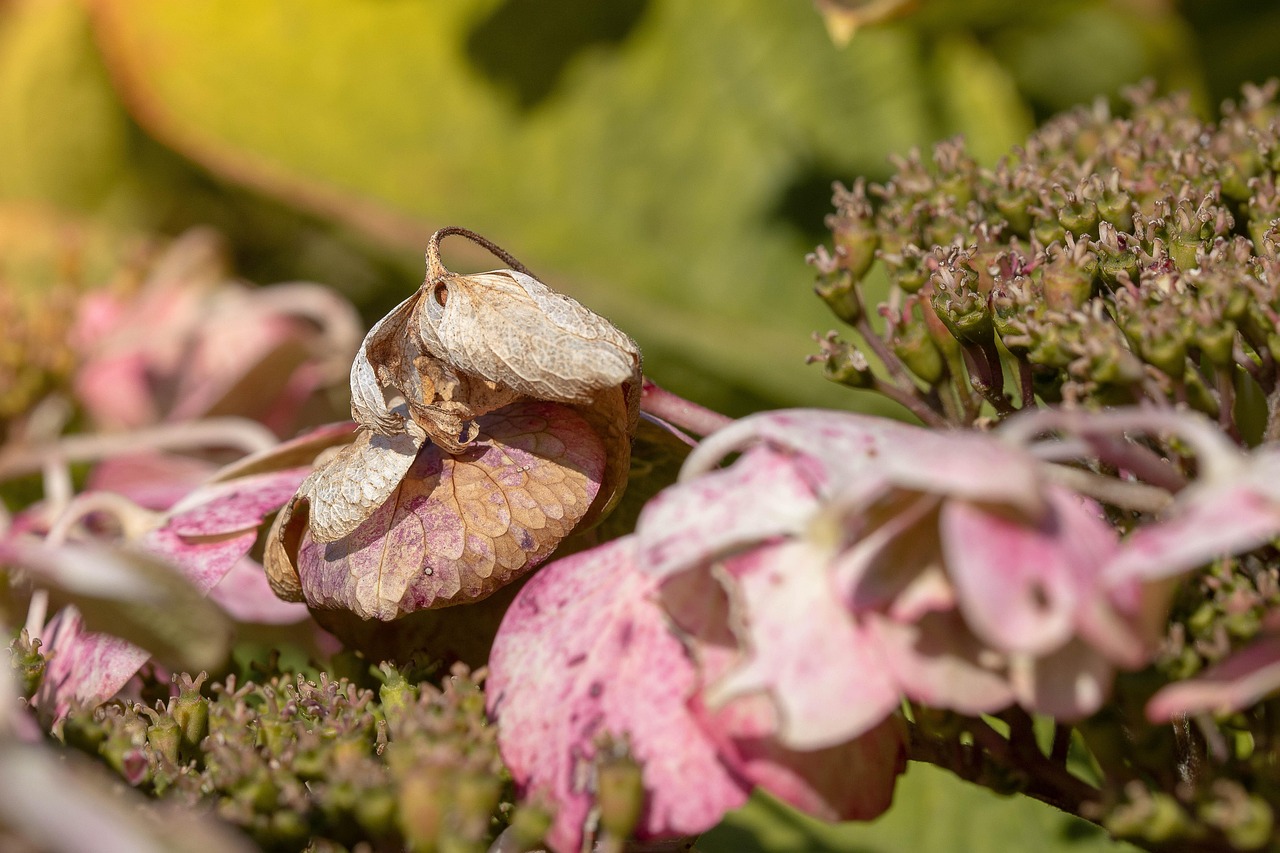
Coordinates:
[436,269]
[1125,494]
[679,412]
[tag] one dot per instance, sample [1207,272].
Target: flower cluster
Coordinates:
[1113,259]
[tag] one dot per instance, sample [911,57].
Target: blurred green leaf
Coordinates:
[932,810]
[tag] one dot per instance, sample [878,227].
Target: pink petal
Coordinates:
[203,561]
[83,667]
[583,651]
[1020,585]
[154,481]
[1235,683]
[937,661]
[1210,522]
[1068,684]
[761,496]
[246,596]
[803,646]
[241,504]
[849,781]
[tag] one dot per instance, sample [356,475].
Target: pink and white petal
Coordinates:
[582,652]
[246,596]
[844,447]
[1210,521]
[1069,684]
[937,661]
[231,506]
[83,667]
[1019,584]
[1230,685]
[848,781]
[763,495]
[804,648]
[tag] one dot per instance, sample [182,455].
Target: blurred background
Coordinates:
[668,163]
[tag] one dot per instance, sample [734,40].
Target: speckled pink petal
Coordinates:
[231,506]
[937,661]
[457,528]
[88,668]
[1235,683]
[583,651]
[761,496]
[853,780]
[1210,521]
[1020,584]
[844,447]
[804,648]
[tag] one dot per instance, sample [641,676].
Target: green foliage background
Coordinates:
[667,162]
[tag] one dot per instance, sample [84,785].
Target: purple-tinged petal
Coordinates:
[937,661]
[804,647]
[247,597]
[235,505]
[853,780]
[584,652]
[154,481]
[457,528]
[204,561]
[1235,683]
[844,447]
[1210,521]
[762,496]
[1021,584]
[83,667]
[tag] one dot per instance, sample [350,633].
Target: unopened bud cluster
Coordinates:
[318,763]
[1112,259]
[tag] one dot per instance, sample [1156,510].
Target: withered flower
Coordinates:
[495,416]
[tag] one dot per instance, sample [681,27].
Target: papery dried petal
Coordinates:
[459,527]
[804,647]
[345,491]
[584,652]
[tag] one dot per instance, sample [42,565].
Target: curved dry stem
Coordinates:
[241,434]
[134,520]
[436,269]
[1217,455]
[1125,494]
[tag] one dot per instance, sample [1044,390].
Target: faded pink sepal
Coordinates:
[1210,521]
[583,652]
[1068,684]
[843,447]
[154,481]
[765,494]
[86,667]
[937,661]
[208,531]
[1020,584]
[1230,685]
[802,646]
[246,596]
[854,780]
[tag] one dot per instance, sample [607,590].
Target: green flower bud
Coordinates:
[620,795]
[919,353]
[190,711]
[842,362]
[840,292]
[1216,341]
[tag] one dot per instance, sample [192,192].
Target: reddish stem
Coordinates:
[678,411]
